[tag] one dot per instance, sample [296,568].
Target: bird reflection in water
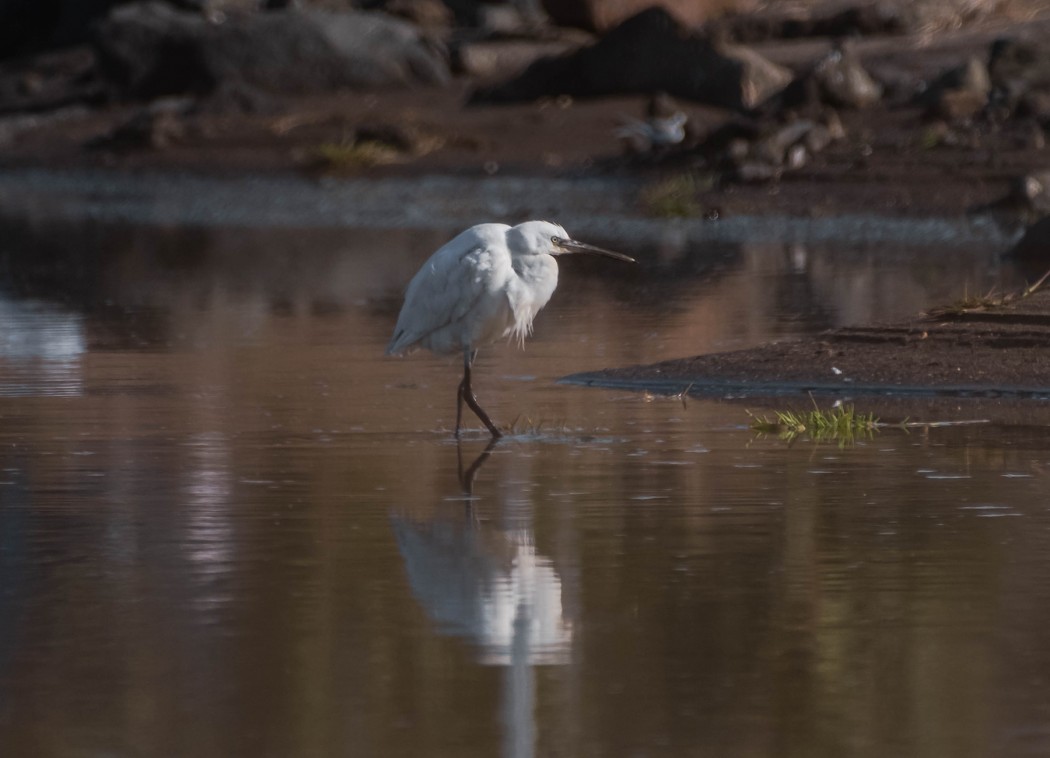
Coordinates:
[492,587]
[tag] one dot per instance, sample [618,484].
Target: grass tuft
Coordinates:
[840,424]
[351,155]
[972,303]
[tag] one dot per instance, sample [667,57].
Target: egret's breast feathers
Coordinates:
[532,284]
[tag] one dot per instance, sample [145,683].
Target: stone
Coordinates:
[30,26]
[973,75]
[148,50]
[760,78]
[1019,69]
[799,21]
[48,81]
[492,60]
[959,93]
[602,15]
[648,53]
[1026,202]
[844,82]
[1034,245]
[155,127]
[838,80]
[429,14]
[958,105]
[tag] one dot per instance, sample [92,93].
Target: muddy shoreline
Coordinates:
[964,351]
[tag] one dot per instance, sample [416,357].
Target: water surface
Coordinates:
[229,526]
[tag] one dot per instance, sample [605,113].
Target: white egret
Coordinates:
[487,283]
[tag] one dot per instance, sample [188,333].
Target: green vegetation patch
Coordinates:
[842,424]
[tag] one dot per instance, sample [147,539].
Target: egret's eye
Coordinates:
[556,240]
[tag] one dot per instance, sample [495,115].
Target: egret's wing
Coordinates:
[442,295]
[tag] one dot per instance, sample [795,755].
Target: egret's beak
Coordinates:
[564,247]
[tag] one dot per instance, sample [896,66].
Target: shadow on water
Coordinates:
[488,585]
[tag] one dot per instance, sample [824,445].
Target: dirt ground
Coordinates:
[885,164]
[967,349]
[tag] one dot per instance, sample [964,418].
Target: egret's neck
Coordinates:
[537,271]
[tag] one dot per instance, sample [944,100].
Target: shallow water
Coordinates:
[228,526]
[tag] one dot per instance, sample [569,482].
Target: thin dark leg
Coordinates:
[466,476]
[459,403]
[467,394]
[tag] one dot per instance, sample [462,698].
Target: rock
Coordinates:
[972,76]
[50,80]
[755,173]
[602,15]
[1027,201]
[760,77]
[1034,104]
[150,50]
[817,139]
[1015,60]
[154,127]
[833,122]
[429,14]
[838,79]
[497,59]
[220,10]
[865,18]
[511,20]
[1020,72]
[796,157]
[844,82]
[959,93]
[791,134]
[753,151]
[648,53]
[859,20]
[1034,245]
[958,105]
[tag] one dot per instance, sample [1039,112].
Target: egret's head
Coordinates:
[535,238]
[546,238]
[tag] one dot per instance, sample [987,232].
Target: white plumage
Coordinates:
[486,284]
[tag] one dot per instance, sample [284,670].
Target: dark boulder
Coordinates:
[29,26]
[149,50]
[1031,254]
[650,52]
[1020,77]
[602,15]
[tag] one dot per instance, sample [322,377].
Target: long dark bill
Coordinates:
[572,246]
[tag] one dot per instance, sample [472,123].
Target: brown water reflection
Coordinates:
[229,527]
